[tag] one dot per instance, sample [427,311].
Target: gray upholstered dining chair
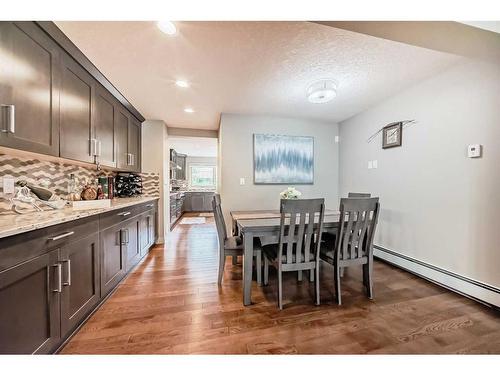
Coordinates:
[359,195]
[232,245]
[353,241]
[299,242]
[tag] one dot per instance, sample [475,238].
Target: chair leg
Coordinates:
[258,264]
[266,271]
[311,276]
[342,271]
[337,284]
[318,297]
[235,260]
[222,262]
[280,290]
[368,274]
[299,275]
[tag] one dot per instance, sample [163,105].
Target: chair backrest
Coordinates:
[219,219]
[359,195]
[301,226]
[358,220]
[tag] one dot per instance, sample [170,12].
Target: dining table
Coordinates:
[265,225]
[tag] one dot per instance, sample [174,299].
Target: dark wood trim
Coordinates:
[441,270]
[64,42]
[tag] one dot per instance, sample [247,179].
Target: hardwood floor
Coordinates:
[171,304]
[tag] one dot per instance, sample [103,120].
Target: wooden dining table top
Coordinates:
[266,214]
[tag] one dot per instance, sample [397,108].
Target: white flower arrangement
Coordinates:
[290,193]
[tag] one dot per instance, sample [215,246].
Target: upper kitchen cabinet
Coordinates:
[54,101]
[134,144]
[76,131]
[122,121]
[128,140]
[29,85]
[104,127]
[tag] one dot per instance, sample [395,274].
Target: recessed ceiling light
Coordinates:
[168,27]
[322,91]
[188,110]
[182,83]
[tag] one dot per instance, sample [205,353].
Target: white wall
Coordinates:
[154,149]
[236,160]
[437,205]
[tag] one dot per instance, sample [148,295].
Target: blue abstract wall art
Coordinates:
[283,159]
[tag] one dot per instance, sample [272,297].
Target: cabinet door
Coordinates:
[104,125]
[207,201]
[77,91]
[29,300]
[30,80]
[144,223]
[132,248]
[112,258]
[80,280]
[197,202]
[152,229]
[134,144]
[121,137]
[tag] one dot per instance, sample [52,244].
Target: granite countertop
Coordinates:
[12,224]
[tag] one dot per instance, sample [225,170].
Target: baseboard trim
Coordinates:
[474,289]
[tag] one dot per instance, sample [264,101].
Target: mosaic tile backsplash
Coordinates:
[55,175]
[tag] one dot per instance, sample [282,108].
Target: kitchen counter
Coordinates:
[12,224]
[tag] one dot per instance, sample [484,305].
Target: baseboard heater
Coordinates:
[476,290]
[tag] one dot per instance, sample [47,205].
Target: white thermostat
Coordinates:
[474,151]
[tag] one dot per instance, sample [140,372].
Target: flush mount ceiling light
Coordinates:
[322,91]
[182,83]
[168,27]
[188,110]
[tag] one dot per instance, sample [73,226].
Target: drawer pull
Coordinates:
[67,234]
[124,213]
[68,274]
[150,205]
[59,278]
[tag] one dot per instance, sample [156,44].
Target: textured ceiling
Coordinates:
[249,67]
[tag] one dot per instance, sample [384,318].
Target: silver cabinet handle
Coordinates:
[149,205]
[8,118]
[67,234]
[98,148]
[68,274]
[128,239]
[126,213]
[59,278]
[129,159]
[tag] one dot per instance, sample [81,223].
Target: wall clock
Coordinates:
[392,135]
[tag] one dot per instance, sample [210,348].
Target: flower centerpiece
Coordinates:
[290,193]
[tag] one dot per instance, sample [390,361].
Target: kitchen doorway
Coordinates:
[193,172]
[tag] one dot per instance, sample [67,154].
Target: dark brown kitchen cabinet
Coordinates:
[30,81]
[104,127]
[80,281]
[134,144]
[121,137]
[113,266]
[76,131]
[29,300]
[147,232]
[131,243]
[128,140]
